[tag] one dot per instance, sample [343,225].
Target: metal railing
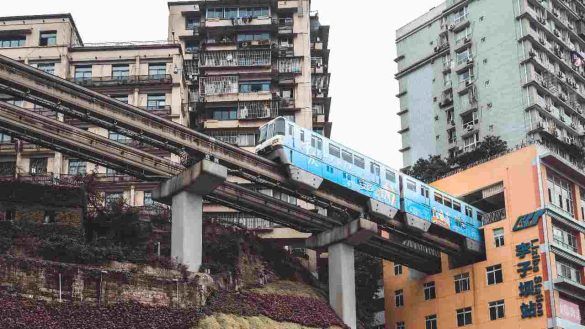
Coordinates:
[127,43]
[258,110]
[122,80]
[233,58]
[290,65]
[218,85]
[494,216]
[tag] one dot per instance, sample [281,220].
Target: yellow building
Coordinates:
[534,232]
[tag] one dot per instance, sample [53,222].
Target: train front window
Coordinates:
[279,128]
[263,131]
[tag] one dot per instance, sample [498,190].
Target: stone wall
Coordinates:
[118,283]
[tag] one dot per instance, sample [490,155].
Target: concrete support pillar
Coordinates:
[186,233]
[340,242]
[342,282]
[185,195]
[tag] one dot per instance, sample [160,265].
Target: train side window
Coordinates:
[302,135]
[456,206]
[346,156]
[334,150]
[424,191]
[270,130]
[447,202]
[438,198]
[468,211]
[411,185]
[358,161]
[375,168]
[291,130]
[317,143]
[390,176]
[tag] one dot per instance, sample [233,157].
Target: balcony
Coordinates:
[218,85]
[493,217]
[320,82]
[290,65]
[211,23]
[258,110]
[111,81]
[235,58]
[285,26]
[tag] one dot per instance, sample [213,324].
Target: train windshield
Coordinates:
[274,128]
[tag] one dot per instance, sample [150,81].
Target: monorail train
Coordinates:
[307,153]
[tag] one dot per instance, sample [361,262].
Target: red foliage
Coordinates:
[24,313]
[306,311]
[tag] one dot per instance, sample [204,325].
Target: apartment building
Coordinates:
[226,68]
[534,234]
[514,69]
[247,64]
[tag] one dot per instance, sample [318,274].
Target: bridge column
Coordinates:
[185,195]
[340,243]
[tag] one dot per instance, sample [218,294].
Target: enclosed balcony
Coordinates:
[290,65]
[218,85]
[112,81]
[235,58]
[258,110]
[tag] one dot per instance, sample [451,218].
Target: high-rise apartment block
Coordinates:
[534,270]
[226,68]
[514,69]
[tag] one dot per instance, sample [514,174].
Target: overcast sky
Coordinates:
[361,40]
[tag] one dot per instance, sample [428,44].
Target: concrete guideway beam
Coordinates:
[185,194]
[340,242]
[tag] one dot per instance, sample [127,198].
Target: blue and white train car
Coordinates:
[311,158]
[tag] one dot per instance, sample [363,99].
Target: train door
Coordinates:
[317,146]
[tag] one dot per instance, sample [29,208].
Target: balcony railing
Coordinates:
[494,216]
[258,110]
[290,65]
[233,58]
[209,86]
[122,80]
[320,81]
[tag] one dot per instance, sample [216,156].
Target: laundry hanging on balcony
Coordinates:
[578,58]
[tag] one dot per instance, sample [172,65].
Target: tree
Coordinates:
[490,146]
[428,170]
[368,273]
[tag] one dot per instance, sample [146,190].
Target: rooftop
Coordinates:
[63,16]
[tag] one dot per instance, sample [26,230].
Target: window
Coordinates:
[120,98]
[119,137]
[565,238]
[470,142]
[411,185]
[462,35]
[7,168]
[155,101]
[191,22]
[400,325]
[225,114]
[463,56]
[157,70]
[461,15]
[397,269]
[496,309]
[346,156]
[438,198]
[399,298]
[302,135]
[494,274]
[83,72]
[498,237]
[287,93]
[38,166]
[254,86]
[114,197]
[431,321]
[5,138]
[317,143]
[48,38]
[334,151]
[191,47]
[375,169]
[77,167]
[568,271]
[461,282]
[120,72]
[216,13]
[12,41]
[582,193]
[424,191]
[456,206]
[239,138]
[390,176]
[560,192]
[147,201]
[46,67]
[463,316]
[243,37]
[358,161]
[468,211]
[465,76]
[429,290]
